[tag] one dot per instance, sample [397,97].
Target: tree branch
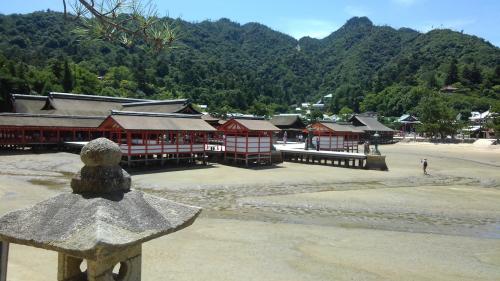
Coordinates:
[123,20]
[65,11]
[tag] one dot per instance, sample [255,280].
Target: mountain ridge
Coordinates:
[245,66]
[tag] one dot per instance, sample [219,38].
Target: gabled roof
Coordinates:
[249,125]
[208,117]
[369,124]
[156,122]
[287,121]
[368,114]
[336,127]
[403,117]
[94,98]
[407,118]
[28,103]
[478,116]
[163,106]
[73,104]
[241,116]
[155,114]
[156,102]
[49,120]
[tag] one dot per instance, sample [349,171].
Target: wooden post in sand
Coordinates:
[4,257]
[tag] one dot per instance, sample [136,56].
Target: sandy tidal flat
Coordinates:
[302,222]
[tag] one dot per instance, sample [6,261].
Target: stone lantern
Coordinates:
[374,160]
[376,138]
[309,138]
[102,221]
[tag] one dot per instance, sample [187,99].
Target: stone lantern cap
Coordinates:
[101,215]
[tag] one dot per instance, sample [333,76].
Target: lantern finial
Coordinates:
[102,173]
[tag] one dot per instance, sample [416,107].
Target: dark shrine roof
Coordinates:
[49,120]
[163,106]
[287,121]
[74,104]
[369,124]
[251,125]
[159,122]
[341,127]
[29,103]
[92,105]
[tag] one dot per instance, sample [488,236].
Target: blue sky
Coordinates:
[318,18]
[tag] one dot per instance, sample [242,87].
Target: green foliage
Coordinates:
[251,68]
[394,100]
[437,118]
[85,81]
[260,109]
[345,113]
[472,75]
[494,121]
[452,75]
[315,115]
[346,95]
[67,80]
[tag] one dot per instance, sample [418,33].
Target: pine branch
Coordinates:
[125,21]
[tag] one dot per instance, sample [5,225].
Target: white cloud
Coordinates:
[451,24]
[314,28]
[356,11]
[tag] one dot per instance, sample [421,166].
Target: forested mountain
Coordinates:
[253,68]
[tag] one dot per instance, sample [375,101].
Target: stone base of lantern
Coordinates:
[376,162]
[101,268]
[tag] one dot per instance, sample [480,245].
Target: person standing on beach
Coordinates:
[317,143]
[424,165]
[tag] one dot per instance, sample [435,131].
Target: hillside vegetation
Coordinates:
[253,68]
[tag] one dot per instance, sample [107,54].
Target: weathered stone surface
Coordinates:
[101,173]
[101,152]
[105,179]
[376,162]
[102,269]
[79,225]
[102,221]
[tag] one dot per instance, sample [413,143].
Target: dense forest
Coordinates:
[252,68]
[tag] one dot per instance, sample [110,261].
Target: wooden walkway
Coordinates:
[292,152]
[345,159]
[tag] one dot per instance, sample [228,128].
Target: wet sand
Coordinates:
[303,222]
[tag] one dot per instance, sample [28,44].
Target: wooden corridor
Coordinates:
[345,159]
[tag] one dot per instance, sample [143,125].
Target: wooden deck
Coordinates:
[296,153]
[154,153]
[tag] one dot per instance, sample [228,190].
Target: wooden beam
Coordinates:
[4,258]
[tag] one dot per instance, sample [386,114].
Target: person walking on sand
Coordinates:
[424,165]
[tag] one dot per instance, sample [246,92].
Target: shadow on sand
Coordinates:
[145,170]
